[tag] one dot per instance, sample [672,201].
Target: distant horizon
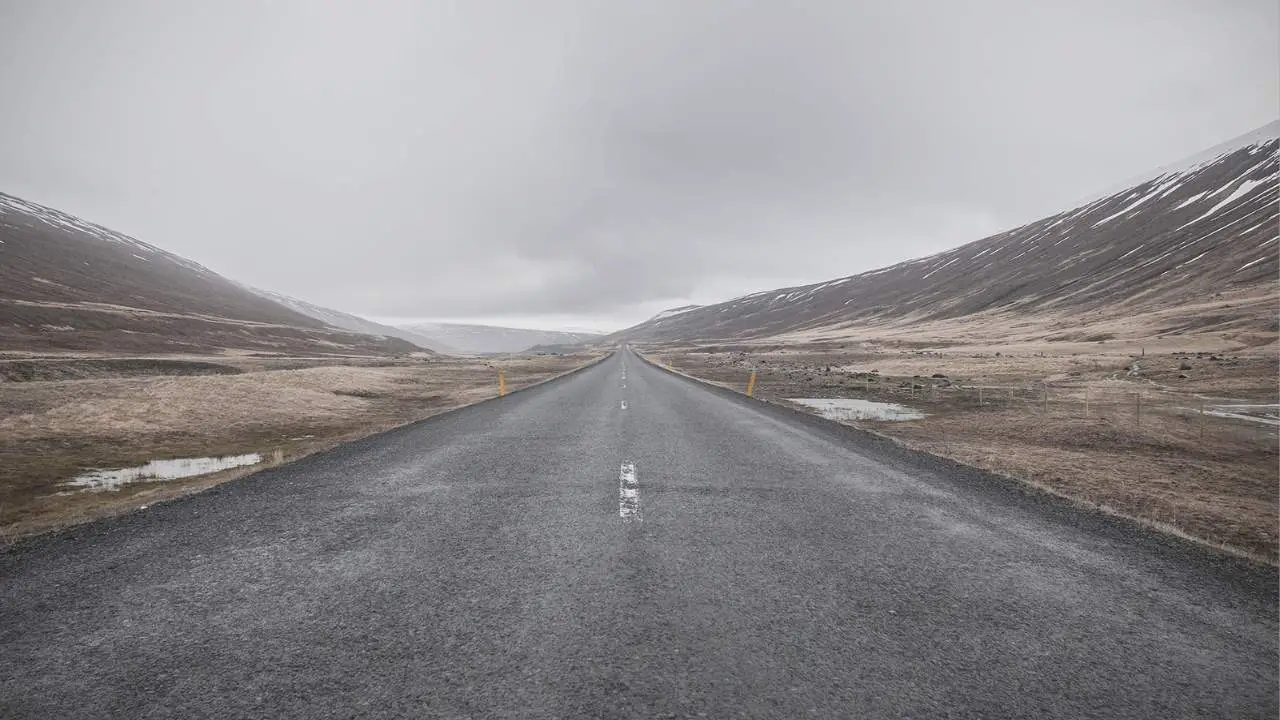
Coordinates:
[589,165]
[1269,129]
[507,323]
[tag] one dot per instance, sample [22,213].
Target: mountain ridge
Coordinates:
[1208,225]
[70,285]
[349,321]
[483,339]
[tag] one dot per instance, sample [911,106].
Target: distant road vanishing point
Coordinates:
[625,542]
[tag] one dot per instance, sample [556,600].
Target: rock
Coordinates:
[1185,366]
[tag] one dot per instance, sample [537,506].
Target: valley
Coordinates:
[1123,354]
[115,353]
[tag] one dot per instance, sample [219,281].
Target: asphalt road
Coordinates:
[553,555]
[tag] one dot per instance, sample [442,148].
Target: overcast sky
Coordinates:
[586,164]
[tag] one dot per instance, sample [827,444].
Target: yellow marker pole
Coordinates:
[502,383]
[751,383]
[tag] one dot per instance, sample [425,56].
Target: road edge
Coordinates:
[1008,482]
[15,542]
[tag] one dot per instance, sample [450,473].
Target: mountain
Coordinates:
[673,311]
[480,339]
[1188,233]
[354,323]
[68,285]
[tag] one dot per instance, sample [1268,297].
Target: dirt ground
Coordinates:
[1085,423]
[61,416]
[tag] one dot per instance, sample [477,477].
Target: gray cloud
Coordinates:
[592,162]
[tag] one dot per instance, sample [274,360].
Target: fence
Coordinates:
[1121,401]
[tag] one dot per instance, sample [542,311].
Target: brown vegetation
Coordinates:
[1085,425]
[113,413]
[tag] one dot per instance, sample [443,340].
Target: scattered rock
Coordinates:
[1185,366]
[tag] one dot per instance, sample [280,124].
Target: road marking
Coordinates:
[624,404]
[628,494]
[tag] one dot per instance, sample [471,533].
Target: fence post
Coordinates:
[1086,403]
[1202,419]
[1137,407]
[502,383]
[1045,390]
[751,383]
[979,396]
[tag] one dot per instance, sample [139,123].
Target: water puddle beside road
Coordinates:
[159,470]
[845,409]
[1264,414]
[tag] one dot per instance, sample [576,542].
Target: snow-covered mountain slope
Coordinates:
[479,339]
[71,285]
[670,312]
[1203,226]
[354,323]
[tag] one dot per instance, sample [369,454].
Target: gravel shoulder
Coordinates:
[61,416]
[1085,425]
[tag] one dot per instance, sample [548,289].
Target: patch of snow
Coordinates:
[1194,198]
[845,409]
[99,480]
[1206,252]
[1264,414]
[1244,189]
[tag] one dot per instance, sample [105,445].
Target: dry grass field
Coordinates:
[60,416]
[1077,419]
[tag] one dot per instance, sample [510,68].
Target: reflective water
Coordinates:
[158,470]
[844,409]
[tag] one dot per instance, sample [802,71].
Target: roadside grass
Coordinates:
[1070,425]
[51,431]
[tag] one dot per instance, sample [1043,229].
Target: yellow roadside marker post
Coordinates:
[502,383]
[751,383]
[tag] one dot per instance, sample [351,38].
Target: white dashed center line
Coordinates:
[628,494]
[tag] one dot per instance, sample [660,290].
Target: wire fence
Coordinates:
[1119,401]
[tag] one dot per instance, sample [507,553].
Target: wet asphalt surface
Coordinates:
[476,565]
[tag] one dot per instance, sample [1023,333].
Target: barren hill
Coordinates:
[354,323]
[67,285]
[481,339]
[1198,230]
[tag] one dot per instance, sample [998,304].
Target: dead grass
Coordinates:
[53,430]
[1214,479]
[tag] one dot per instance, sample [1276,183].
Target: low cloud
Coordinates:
[598,161]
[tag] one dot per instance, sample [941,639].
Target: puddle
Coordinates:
[844,409]
[1265,414]
[159,470]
